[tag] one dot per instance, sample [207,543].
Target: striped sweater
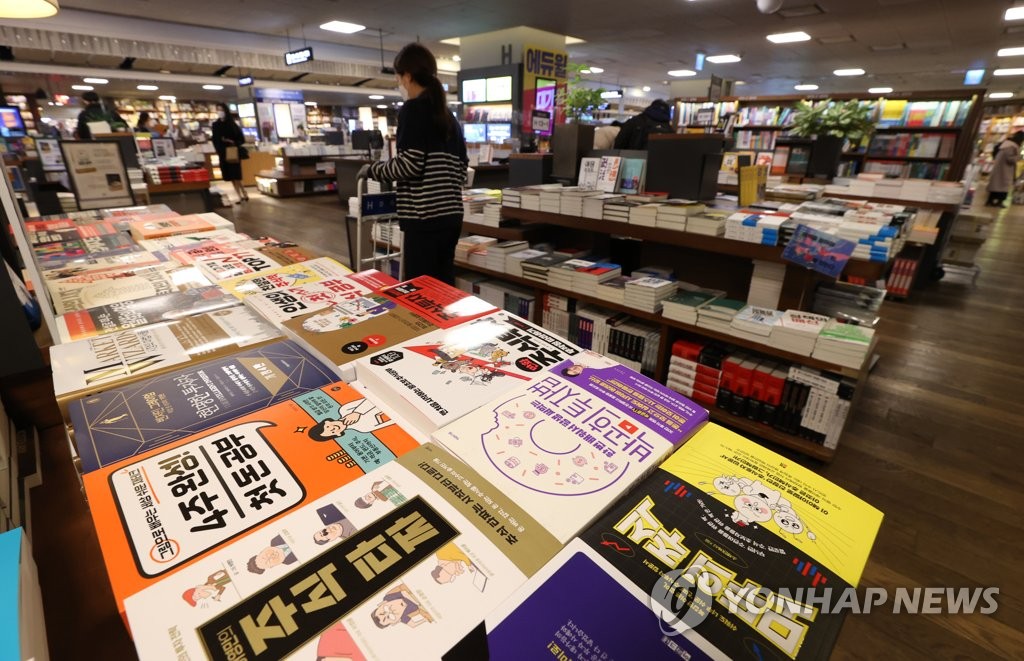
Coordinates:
[429,169]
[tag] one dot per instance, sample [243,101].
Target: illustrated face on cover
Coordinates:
[347,313]
[754,502]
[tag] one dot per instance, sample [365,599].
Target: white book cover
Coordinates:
[245,261]
[590,169]
[438,377]
[301,273]
[608,173]
[70,295]
[280,305]
[797,321]
[219,236]
[568,444]
[757,320]
[404,559]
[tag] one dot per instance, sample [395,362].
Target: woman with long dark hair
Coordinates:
[430,168]
[226,133]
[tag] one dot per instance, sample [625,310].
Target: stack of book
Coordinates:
[843,344]
[647,293]
[498,253]
[683,305]
[634,344]
[593,205]
[673,214]
[710,223]
[645,215]
[797,332]
[492,214]
[587,279]
[594,327]
[514,261]
[695,370]
[529,199]
[754,227]
[562,276]
[755,323]
[572,200]
[766,283]
[471,243]
[551,200]
[614,290]
[618,210]
[717,314]
[556,313]
[536,268]
[511,197]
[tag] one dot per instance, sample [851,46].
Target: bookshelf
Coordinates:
[296,176]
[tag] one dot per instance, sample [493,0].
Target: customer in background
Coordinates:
[429,168]
[656,118]
[1004,169]
[95,112]
[229,142]
[604,136]
[147,124]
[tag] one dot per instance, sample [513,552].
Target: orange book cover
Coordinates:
[164,510]
[155,228]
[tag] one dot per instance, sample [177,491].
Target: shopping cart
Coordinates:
[378,241]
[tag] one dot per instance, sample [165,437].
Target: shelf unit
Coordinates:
[290,177]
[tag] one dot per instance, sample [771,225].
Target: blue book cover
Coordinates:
[819,251]
[123,422]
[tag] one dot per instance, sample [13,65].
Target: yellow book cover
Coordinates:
[768,490]
[893,110]
[291,275]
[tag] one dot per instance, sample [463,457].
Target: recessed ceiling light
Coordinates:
[452,41]
[646,88]
[739,82]
[596,70]
[343,27]
[311,104]
[569,41]
[880,90]
[614,94]
[788,37]
[83,88]
[1010,52]
[456,58]
[805,88]
[585,71]
[382,105]
[849,72]
[376,97]
[1008,72]
[682,73]
[723,59]
[95,81]
[1014,14]
[1000,95]
[213,88]
[167,97]
[147,88]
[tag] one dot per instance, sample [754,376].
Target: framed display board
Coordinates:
[97,174]
[49,154]
[163,147]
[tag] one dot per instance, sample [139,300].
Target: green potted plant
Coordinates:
[831,124]
[572,140]
[578,99]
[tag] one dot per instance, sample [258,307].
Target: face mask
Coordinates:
[404,92]
[221,114]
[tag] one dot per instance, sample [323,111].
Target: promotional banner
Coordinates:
[545,72]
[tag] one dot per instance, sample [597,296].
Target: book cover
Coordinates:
[301,273]
[70,296]
[280,305]
[165,509]
[608,173]
[398,564]
[190,253]
[89,366]
[98,263]
[568,444]
[437,378]
[56,255]
[235,263]
[737,518]
[631,175]
[287,253]
[141,312]
[590,169]
[129,420]
[819,251]
[149,228]
[218,236]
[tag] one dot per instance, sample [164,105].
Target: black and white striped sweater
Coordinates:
[429,169]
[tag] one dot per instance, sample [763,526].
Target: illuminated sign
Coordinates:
[298,56]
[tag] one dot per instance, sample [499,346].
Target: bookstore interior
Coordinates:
[727,344]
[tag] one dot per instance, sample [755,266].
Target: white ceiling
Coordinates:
[904,44]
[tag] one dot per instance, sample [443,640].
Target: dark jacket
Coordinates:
[94,112]
[226,135]
[656,118]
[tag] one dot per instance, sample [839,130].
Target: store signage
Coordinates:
[541,121]
[298,56]
[270,94]
[97,173]
[245,81]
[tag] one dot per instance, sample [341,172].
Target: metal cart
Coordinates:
[376,228]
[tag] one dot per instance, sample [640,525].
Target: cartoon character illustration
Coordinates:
[452,562]
[211,590]
[575,478]
[380,492]
[512,462]
[579,460]
[277,553]
[336,525]
[399,606]
[358,415]
[347,313]
[755,502]
[336,644]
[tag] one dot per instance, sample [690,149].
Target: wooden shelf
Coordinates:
[301,177]
[659,319]
[771,434]
[182,187]
[761,127]
[514,233]
[927,159]
[918,129]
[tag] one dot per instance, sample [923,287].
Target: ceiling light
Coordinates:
[83,88]
[646,88]
[95,81]
[28,8]
[614,94]
[1000,95]
[788,37]
[596,70]
[167,97]
[849,72]
[311,104]
[383,106]
[723,59]
[805,88]
[376,97]
[343,27]
[147,88]
[213,88]
[452,41]
[456,58]
[1008,72]
[1014,14]
[570,41]
[682,73]
[739,82]
[880,90]
[1010,52]
[584,71]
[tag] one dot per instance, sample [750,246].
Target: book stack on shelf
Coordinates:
[593,327]
[682,306]
[593,206]
[571,200]
[766,283]
[618,210]
[562,276]
[717,314]
[925,190]
[536,268]
[614,290]
[843,344]
[755,324]
[492,214]
[557,311]
[709,223]
[511,197]
[751,227]
[551,200]
[695,370]
[586,280]
[470,244]
[673,214]
[647,293]
[633,344]
[514,261]
[497,254]
[645,215]
[797,331]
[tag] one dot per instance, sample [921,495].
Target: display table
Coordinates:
[185,198]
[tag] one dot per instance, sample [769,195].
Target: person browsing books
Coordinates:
[1004,169]
[227,135]
[147,124]
[95,112]
[656,118]
[429,169]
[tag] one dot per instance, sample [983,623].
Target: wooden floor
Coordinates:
[934,443]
